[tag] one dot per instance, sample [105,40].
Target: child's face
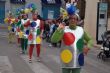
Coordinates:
[34,16]
[73,19]
[25,16]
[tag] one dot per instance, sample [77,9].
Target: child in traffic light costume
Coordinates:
[74,38]
[18,31]
[35,35]
[25,22]
[11,21]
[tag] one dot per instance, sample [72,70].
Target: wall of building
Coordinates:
[38,4]
[108,24]
[13,7]
[91,17]
[7,6]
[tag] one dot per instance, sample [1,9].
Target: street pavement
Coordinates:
[11,61]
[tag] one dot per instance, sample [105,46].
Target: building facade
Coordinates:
[91,18]
[90,21]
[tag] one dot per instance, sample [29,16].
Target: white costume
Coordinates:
[34,31]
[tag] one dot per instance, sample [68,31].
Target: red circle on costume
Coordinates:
[30,37]
[27,23]
[68,38]
[16,20]
[18,29]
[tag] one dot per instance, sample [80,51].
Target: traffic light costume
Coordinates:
[74,38]
[35,35]
[11,21]
[25,22]
[18,31]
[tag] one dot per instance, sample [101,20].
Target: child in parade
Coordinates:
[10,20]
[74,37]
[18,25]
[35,36]
[25,22]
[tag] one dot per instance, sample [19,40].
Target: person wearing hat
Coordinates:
[35,36]
[10,20]
[74,39]
[25,22]
[18,25]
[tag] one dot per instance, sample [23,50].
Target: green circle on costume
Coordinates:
[80,44]
[22,27]
[38,31]
[19,23]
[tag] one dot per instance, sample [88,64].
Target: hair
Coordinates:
[78,17]
[24,14]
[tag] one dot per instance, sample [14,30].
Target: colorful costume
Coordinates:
[72,56]
[18,25]
[35,38]
[25,31]
[74,39]
[10,20]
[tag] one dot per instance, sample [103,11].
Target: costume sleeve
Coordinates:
[88,40]
[57,36]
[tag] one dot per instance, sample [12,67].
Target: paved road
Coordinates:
[11,61]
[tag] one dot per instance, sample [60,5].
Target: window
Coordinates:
[108,1]
[102,16]
[51,1]
[17,1]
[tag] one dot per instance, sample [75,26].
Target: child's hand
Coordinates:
[85,51]
[61,26]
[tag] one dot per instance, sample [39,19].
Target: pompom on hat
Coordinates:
[35,12]
[71,9]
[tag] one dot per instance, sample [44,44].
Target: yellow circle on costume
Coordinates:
[66,56]
[38,40]
[20,34]
[9,27]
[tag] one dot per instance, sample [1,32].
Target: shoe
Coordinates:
[38,59]
[21,52]
[50,45]
[30,61]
